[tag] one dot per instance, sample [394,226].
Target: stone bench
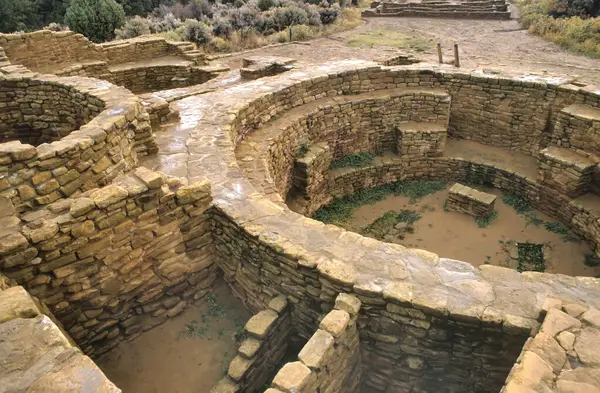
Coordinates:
[256,67]
[421,139]
[565,171]
[470,201]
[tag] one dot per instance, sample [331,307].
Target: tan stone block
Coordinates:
[47,230]
[335,322]
[586,347]
[278,304]
[238,367]
[249,347]
[592,316]
[81,206]
[150,178]
[292,377]
[549,350]
[258,326]
[109,195]
[318,350]
[12,243]
[557,321]
[563,386]
[350,304]
[16,302]
[566,340]
[193,192]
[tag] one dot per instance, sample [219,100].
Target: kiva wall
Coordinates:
[116,260]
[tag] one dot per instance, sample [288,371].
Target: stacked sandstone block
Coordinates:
[116,260]
[330,361]
[468,9]
[421,139]
[470,201]
[310,171]
[256,67]
[563,356]
[77,159]
[37,355]
[268,334]
[578,127]
[566,171]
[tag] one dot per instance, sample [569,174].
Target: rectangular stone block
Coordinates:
[470,201]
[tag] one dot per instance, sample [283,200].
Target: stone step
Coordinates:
[415,127]
[581,111]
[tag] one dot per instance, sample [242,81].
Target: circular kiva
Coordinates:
[60,136]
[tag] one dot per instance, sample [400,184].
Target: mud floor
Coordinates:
[457,236]
[187,354]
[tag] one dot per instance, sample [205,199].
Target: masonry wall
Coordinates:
[330,361]
[117,130]
[350,125]
[35,112]
[268,338]
[137,49]
[47,51]
[116,260]
[159,77]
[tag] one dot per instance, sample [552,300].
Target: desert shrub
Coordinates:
[195,31]
[164,24]
[56,27]
[200,8]
[290,16]
[330,14]
[96,19]
[302,33]
[218,44]
[244,17]
[134,27]
[266,23]
[222,28]
[569,23]
[265,5]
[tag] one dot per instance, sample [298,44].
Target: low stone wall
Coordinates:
[566,171]
[48,51]
[38,357]
[116,260]
[578,127]
[141,79]
[421,139]
[117,128]
[562,356]
[470,9]
[309,177]
[330,361]
[138,48]
[268,334]
[470,201]
[37,111]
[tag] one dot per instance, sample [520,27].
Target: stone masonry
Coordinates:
[330,361]
[467,200]
[565,170]
[268,333]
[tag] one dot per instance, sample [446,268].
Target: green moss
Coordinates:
[387,223]
[358,160]
[591,260]
[484,222]
[302,150]
[531,257]
[517,202]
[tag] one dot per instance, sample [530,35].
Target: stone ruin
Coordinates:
[455,9]
[96,248]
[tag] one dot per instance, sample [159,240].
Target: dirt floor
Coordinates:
[484,44]
[457,236]
[186,354]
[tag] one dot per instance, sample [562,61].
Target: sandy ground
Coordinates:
[487,44]
[455,235]
[170,358]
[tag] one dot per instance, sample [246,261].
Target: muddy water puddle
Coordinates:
[458,236]
[187,354]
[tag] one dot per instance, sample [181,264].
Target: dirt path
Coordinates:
[488,44]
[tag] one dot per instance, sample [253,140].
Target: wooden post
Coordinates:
[291,32]
[439,47]
[456,59]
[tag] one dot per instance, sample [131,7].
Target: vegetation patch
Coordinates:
[530,257]
[302,150]
[392,225]
[517,202]
[204,327]
[562,231]
[340,209]
[573,24]
[358,160]
[484,222]
[591,260]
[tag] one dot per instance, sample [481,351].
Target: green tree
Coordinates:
[16,15]
[96,19]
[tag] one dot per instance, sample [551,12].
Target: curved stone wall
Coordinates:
[142,79]
[44,109]
[36,112]
[460,321]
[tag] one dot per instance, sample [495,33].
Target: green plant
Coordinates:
[96,19]
[517,202]
[418,189]
[134,27]
[532,219]
[484,222]
[388,223]
[194,31]
[302,150]
[591,260]
[530,257]
[357,160]
[561,230]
